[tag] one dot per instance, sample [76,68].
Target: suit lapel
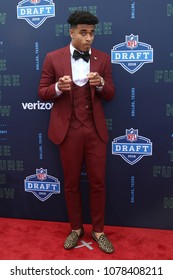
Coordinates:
[94,61]
[66,64]
[93,67]
[66,61]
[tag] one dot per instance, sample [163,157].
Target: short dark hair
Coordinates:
[82,17]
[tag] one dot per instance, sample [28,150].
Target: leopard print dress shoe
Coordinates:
[104,244]
[72,240]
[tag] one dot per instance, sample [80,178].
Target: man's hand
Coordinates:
[64,83]
[95,79]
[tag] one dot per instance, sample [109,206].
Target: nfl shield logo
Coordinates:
[132,41]
[35,1]
[41,174]
[132,134]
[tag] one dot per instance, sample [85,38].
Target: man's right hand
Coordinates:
[64,83]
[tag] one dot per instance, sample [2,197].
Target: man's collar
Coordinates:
[72,50]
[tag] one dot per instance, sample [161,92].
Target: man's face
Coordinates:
[82,36]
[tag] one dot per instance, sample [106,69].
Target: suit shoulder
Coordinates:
[58,51]
[97,52]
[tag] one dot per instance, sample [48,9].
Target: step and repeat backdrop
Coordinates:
[138,36]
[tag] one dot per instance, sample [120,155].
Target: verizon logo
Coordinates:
[37,106]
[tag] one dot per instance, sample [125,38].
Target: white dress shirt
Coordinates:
[80,69]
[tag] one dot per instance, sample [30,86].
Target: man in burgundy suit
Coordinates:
[77,78]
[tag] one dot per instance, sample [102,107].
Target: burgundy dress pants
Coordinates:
[84,145]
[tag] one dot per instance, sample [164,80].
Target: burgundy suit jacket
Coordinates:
[57,64]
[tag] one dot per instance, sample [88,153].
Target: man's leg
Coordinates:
[71,152]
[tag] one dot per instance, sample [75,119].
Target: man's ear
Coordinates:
[71,33]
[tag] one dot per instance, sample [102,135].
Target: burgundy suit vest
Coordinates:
[81,107]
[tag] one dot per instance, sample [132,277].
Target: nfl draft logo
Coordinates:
[132,147]
[42,185]
[35,12]
[132,54]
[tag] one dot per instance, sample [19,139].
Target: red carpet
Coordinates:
[42,240]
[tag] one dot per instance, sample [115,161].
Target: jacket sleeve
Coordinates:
[46,90]
[108,90]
